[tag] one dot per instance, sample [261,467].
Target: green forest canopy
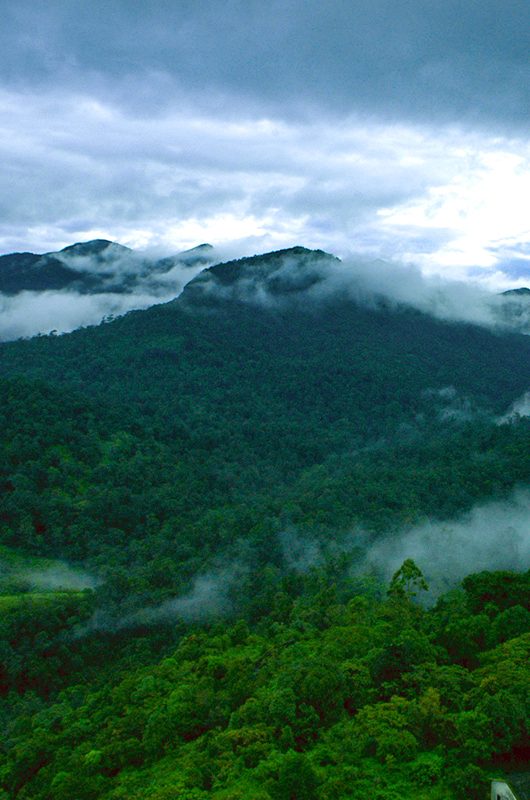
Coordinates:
[181,442]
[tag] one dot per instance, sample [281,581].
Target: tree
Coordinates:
[407,581]
[296,779]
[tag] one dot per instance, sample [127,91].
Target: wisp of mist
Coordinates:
[494,535]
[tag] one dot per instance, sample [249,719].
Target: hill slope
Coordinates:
[219,468]
[239,400]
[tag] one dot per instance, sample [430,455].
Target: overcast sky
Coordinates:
[398,128]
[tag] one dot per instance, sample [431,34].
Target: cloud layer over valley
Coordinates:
[95,284]
[106,284]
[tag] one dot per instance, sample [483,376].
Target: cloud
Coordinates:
[370,127]
[131,280]
[52,576]
[299,552]
[31,313]
[369,281]
[405,60]
[520,408]
[494,535]
[446,198]
[452,406]
[59,576]
[125,280]
[302,278]
[208,598]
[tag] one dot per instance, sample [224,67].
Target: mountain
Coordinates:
[30,272]
[282,273]
[218,519]
[522,291]
[100,250]
[252,378]
[98,265]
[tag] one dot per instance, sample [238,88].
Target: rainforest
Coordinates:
[266,541]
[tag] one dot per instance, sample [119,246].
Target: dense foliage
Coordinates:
[334,694]
[177,456]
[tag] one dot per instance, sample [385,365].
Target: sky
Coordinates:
[394,129]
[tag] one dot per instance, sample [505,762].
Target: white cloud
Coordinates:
[483,206]
[445,198]
[31,313]
[520,408]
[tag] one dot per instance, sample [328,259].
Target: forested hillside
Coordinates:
[216,470]
[90,267]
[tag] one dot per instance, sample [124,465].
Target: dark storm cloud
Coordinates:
[413,58]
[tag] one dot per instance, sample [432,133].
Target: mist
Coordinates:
[494,535]
[207,599]
[117,280]
[59,576]
[53,576]
[372,282]
[299,553]
[33,313]
[305,279]
[376,283]
[519,408]
[105,284]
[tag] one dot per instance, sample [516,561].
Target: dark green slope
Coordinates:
[30,272]
[329,359]
[57,271]
[167,453]
[215,420]
[286,385]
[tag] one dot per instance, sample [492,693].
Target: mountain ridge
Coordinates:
[96,265]
[120,279]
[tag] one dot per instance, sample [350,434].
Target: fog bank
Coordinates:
[494,535]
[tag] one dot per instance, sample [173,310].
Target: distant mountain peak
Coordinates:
[94,247]
[204,246]
[279,273]
[200,254]
[521,291]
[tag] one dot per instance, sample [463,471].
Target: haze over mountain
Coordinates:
[95,266]
[87,282]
